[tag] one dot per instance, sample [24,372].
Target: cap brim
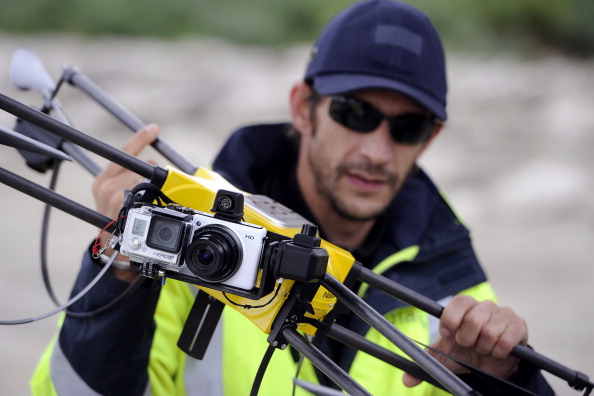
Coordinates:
[333,84]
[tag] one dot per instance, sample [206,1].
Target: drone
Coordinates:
[269,260]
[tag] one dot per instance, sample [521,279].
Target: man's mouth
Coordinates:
[366,182]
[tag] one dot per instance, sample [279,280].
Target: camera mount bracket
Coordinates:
[305,262]
[200,325]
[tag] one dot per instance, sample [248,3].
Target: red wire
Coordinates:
[95,248]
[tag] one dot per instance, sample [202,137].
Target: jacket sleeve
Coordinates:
[103,354]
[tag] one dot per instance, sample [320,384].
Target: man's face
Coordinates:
[356,175]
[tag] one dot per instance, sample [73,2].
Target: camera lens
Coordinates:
[215,254]
[205,255]
[165,234]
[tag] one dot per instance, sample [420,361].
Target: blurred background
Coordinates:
[515,159]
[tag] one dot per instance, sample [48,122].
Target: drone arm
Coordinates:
[77,137]
[321,361]
[54,199]
[74,151]
[441,374]
[574,378]
[80,80]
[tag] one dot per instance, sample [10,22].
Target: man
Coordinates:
[372,100]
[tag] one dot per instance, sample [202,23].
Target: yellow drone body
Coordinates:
[198,192]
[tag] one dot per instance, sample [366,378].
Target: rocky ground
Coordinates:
[516,160]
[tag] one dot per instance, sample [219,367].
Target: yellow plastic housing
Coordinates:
[198,192]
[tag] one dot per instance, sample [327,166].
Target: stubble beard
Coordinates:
[326,178]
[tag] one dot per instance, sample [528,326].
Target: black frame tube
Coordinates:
[80,80]
[321,361]
[354,340]
[54,199]
[77,137]
[71,149]
[435,369]
[10,138]
[575,379]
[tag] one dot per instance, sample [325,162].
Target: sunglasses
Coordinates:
[361,116]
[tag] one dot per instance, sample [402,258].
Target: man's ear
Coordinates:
[300,107]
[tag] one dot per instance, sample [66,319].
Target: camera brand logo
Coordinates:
[163,255]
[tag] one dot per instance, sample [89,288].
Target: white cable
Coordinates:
[69,302]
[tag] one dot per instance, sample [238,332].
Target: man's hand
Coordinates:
[109,186]
[479,333]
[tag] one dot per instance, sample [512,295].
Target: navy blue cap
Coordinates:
[381,44]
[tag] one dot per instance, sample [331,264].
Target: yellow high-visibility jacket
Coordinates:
[131,349]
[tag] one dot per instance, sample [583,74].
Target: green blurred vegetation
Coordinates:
[521,25]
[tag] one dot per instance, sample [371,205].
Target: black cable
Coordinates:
[44,237]
[159,195]
[161,198]
[44,262]
[299,365]
[262,370]
[247,306]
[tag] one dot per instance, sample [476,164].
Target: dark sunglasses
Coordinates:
[361,116]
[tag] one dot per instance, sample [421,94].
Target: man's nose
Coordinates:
[377,145]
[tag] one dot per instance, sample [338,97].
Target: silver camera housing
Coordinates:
[195,244]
